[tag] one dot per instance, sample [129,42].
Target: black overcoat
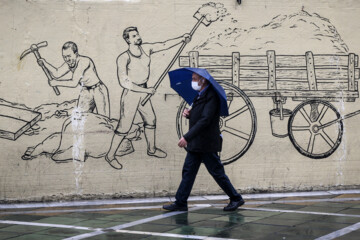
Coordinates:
[204,130]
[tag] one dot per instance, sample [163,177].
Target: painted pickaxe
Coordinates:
[34,48]
[201,19]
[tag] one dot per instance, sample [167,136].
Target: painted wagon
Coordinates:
[314,127]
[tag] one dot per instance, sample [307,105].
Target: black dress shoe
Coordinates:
[175,207]
[233,205]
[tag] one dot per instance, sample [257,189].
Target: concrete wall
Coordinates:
[252,28]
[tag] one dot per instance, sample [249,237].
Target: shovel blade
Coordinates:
[198,16]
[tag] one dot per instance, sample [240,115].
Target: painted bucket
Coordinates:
[279,127]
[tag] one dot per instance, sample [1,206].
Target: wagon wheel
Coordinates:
[310,132]
[238,129]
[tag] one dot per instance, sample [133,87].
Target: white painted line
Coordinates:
[173,235]
[286,194]
[302,212]
[81,210]
[84,203]
[217,197]
[100,229]
[291,194]
[85,235]
[159,206]
[270,195]
[169,214]
[279,195]
[47,225]
[193,198]
[340,232]
[354,191]
[94,209]
[131,224]
[304,201]
[169,199]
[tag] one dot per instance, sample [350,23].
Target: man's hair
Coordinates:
[71,45]
[200,77]
[127,31]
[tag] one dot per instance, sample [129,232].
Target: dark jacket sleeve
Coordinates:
[209,112]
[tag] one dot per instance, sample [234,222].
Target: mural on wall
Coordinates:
[308,31]
[89,114]
[133,70]
[314,127]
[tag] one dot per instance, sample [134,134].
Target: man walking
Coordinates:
[93,93]
[203,142]
[133,69]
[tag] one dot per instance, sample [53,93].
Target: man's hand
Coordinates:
[186,38]
[151,91]
[182,142]
[186,113]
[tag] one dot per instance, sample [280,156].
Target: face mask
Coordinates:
[195,86]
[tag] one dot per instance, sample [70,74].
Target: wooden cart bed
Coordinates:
[302,77]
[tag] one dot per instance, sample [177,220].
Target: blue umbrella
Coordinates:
[180,81]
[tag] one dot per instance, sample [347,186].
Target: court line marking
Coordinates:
[340,232]
[167,199]
[173,235]
[99,231]
[82,210]
[159,206]
[134,223]
[47,225]
[302,212]
[307,200]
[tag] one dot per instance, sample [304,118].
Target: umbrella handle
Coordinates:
[144,101]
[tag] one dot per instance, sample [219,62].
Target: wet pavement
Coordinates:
[307,215]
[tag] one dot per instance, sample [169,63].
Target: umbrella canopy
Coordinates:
[180,81]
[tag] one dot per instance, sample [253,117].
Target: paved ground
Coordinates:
[301,215]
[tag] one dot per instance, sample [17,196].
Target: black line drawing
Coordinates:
[137,55]
[315,80]
[34,48]
[205,15]
[87,128]
[133,72]
[316,32]
[306,128]
[94,94]
[15,121]
[44,117]
[315,127]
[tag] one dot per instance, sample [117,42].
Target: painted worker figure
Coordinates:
[93,93]
[203,142]
[133,70]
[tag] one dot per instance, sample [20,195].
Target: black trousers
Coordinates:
[214,167]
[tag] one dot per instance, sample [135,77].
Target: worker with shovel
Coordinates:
[93,93]
[133,69]
[133,74]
